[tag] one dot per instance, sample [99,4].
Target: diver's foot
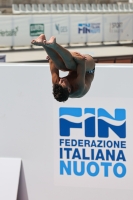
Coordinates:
[50,42]
[39,41]
[48,58]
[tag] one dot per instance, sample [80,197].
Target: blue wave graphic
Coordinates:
[65,126]
[103,129]
[120,114]
[89,110]
[70,118]
[76,112]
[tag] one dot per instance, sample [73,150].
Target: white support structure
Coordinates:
[83,8]
[41,8]
[105,8]
[12,180]
[94,7]
[110,8]
[126,7]
[131,7]
[77,8]
[65,8]
[99,8]
[22,8]
[71,8]
[88,8]
[28,8]
[59,8]
[15,9]
[35,8]
[53,8]
[121,7]
[115,8]
[47,8]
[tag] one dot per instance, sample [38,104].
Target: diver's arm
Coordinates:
[81,70]
[54,72]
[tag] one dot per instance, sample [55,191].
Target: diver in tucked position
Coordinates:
[81,69]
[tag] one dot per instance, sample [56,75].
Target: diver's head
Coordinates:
[62,90]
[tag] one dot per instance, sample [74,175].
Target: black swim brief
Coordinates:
[91,71]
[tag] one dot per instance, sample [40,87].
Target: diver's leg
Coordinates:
[51,53]
[64,53]
[54,56]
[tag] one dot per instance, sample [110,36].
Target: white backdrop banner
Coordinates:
[95,28]
[7,32]
[70,28]
[78,28]
[41,24]
[22,26]
[111,27]
[60,28]
[125,29]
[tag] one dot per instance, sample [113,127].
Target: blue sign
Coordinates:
[88,28]
[104,121]
[95,146]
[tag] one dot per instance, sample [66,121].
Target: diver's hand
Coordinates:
[79,58]
[48,58]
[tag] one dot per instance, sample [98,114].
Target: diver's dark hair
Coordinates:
[60,93]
